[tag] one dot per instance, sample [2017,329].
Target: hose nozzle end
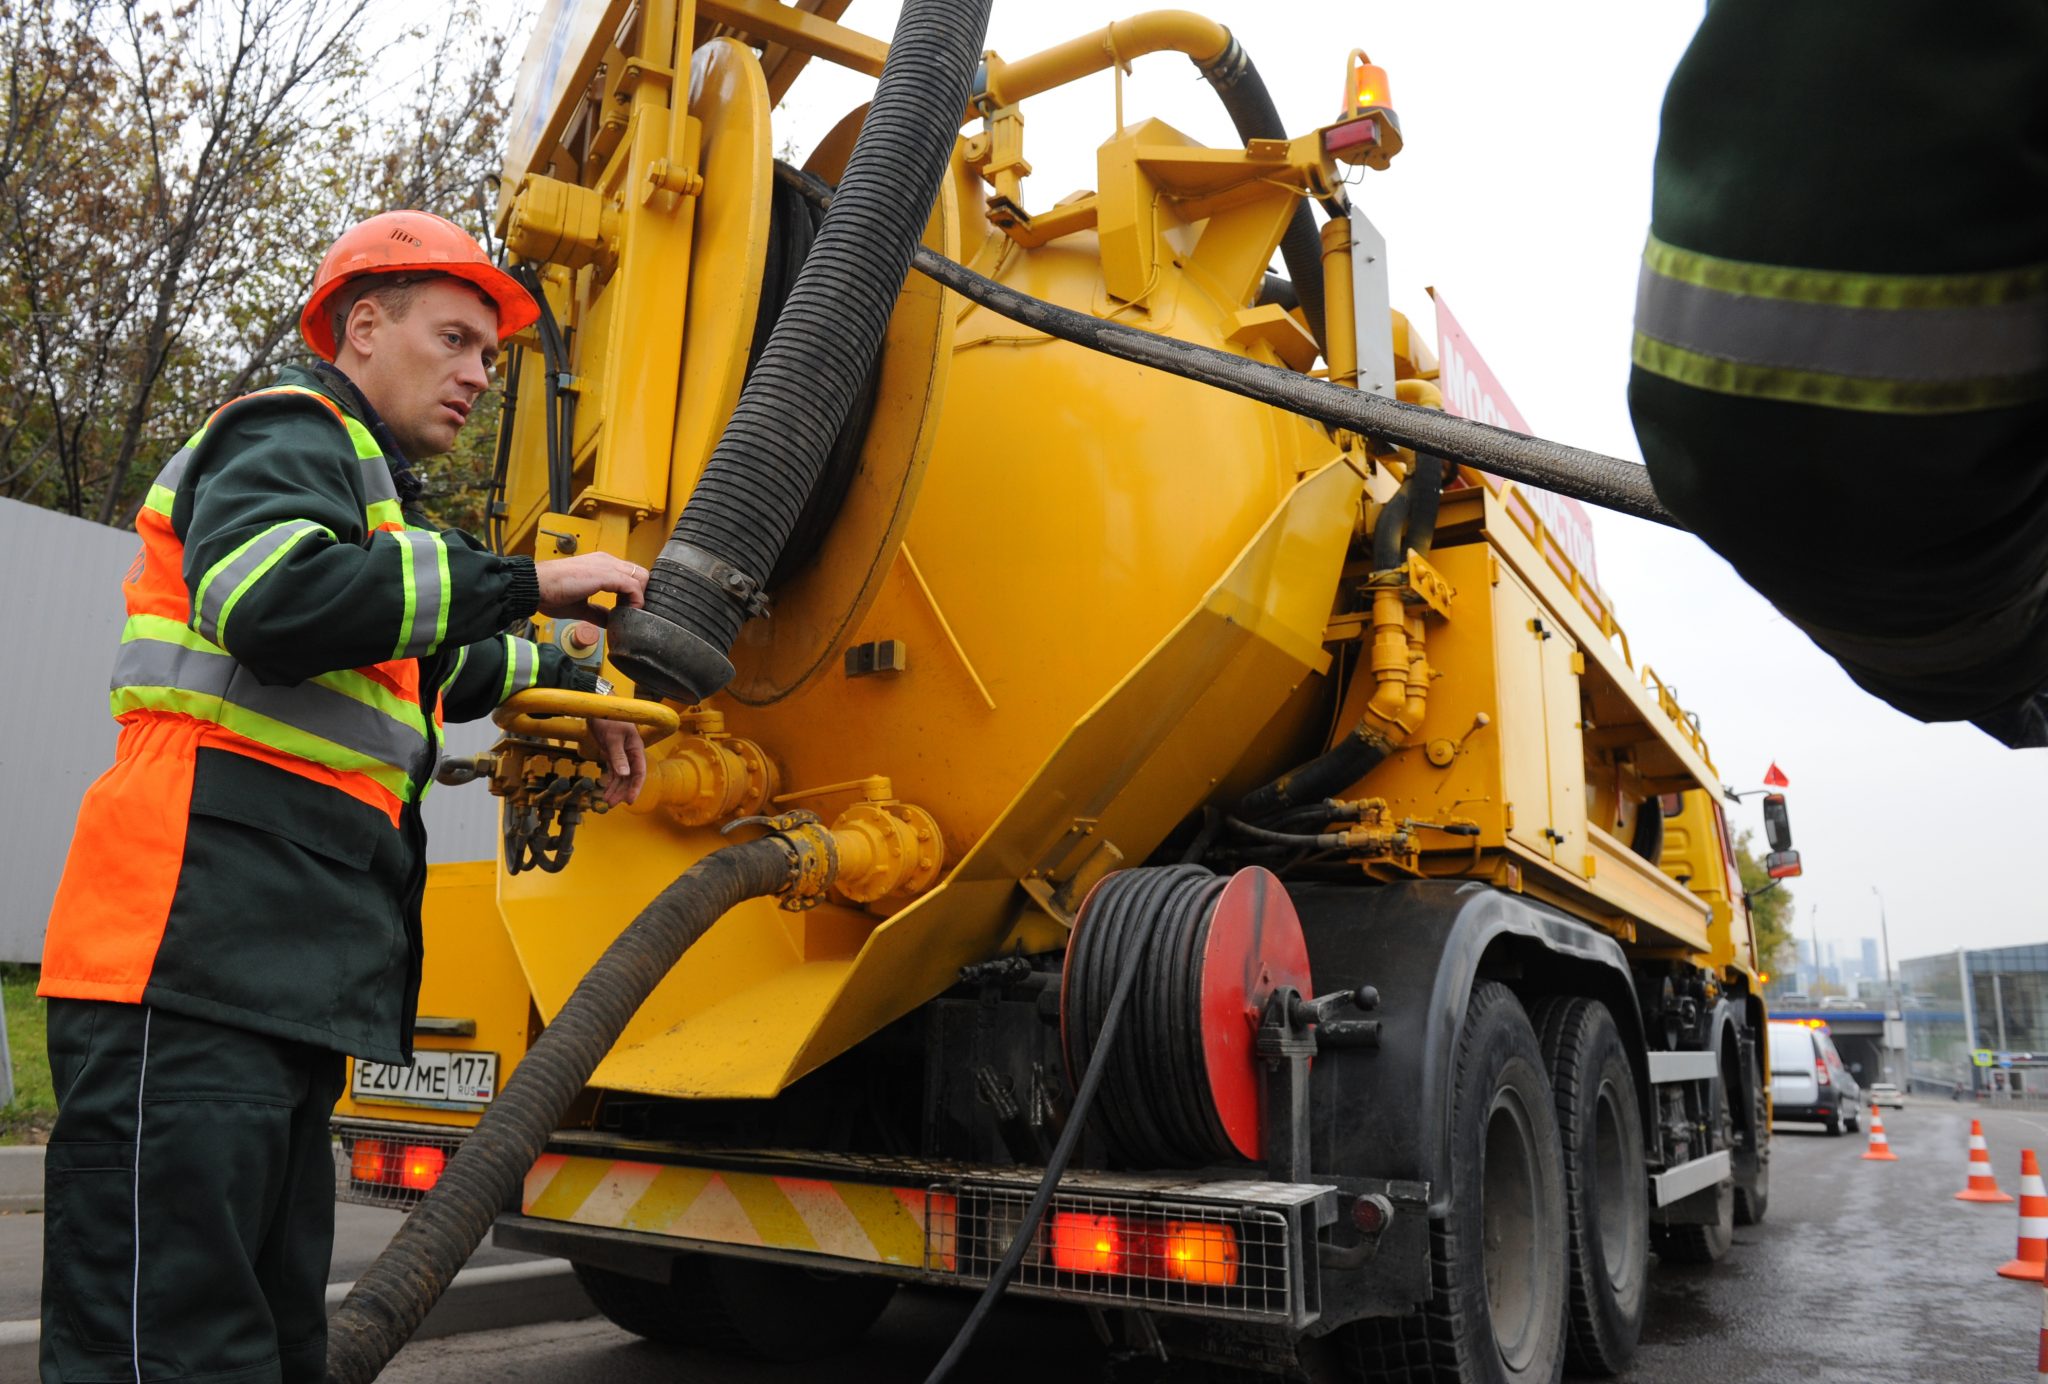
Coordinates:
[664,659]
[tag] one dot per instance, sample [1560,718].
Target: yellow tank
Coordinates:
[1092,587]
[1067,601]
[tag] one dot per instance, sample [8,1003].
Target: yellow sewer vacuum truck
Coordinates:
[1169,851]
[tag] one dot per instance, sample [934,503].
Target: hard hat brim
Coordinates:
[516,307]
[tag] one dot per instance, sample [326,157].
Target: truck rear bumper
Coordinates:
[1226,1248]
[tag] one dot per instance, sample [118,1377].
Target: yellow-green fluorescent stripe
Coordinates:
[1786,283]
[412,595]
[454,674]
[446,592]
[227,609]
[263,730]
[346,681]
[1787,385]
[1906,344]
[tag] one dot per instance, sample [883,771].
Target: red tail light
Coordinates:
[1087,1244]
[421,1167]
[1820,1075]
[371,1161]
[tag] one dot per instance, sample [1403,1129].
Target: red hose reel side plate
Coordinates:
[1254,946]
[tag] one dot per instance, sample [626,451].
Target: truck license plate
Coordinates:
[451,1080]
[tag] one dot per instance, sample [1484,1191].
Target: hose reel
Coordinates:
[1183,1090]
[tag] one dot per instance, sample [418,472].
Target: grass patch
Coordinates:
[28,1119]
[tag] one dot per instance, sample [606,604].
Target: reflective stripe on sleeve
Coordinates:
[454,674]
[522,666]
[229,579]
[1867,342]
[423,567]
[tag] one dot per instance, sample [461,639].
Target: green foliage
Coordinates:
[169,178]
[1770,907]
[34,1109]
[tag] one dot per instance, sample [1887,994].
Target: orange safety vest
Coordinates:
[176,690]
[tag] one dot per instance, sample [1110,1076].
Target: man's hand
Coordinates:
[624,755]
[568,583]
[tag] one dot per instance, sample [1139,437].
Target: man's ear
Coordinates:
[364,318]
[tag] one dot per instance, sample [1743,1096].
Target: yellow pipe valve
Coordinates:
[707,778]
[886,848]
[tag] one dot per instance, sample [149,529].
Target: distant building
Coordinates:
[1870,965]
[1977,1019]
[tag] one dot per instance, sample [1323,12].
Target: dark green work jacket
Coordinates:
[1841,355]
[293,907]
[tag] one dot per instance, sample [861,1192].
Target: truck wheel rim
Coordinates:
[1614,1208]
[1509,1199]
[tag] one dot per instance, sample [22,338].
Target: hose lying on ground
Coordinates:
[1596,479]
[395,1293]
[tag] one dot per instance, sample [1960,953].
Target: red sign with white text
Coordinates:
[1472,391]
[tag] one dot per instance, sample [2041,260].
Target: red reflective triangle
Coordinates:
[1774,777]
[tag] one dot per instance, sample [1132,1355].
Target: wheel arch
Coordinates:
[1424,945]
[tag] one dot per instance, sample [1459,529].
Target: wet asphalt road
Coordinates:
[1863,1272]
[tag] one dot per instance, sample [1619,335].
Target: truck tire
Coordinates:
[1751,1203]
[742,1306]
[1600,1132]
[1498,1260]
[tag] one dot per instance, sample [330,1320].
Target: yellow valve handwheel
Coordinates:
[556,713]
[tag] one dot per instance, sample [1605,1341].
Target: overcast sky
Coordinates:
[1523,196]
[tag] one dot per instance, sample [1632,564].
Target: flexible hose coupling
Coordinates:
[813,854]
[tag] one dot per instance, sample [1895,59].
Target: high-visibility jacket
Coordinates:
[1841,355]
[293,637]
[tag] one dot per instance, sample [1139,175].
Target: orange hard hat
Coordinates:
[417,242]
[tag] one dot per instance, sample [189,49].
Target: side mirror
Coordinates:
[1783,865]
[1777,823]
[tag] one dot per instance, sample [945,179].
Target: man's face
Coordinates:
[424,371]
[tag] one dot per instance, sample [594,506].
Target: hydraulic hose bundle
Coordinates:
[709,578]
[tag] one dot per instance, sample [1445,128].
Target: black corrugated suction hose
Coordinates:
[1253,115]
[394,1294]
[708,577]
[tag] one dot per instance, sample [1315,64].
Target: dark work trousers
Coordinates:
[189,1201]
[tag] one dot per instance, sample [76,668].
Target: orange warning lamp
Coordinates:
[1366,131]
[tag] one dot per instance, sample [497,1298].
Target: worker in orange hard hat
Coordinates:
[241,904]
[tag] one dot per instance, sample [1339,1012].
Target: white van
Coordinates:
[1808,1080]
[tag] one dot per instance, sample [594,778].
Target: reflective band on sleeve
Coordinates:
[522,666]
[1873,343]
[423,565]
[231,577]
[454,674]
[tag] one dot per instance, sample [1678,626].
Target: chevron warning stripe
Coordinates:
[848,1220]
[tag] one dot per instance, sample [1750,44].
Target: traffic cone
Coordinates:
[1880,1147]
[2028,1259]
[1983,1181]
[2041,1358]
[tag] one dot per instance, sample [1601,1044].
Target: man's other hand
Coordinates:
[568,583]
[624,756]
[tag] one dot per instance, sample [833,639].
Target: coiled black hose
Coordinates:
[708,578]
[1610,482]
[395,1293]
